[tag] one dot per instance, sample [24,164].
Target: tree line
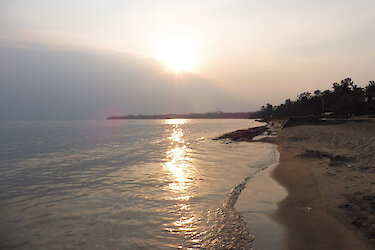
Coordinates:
[345,99]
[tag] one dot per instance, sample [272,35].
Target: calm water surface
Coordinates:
[125,184]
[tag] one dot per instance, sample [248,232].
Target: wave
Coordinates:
[229,229]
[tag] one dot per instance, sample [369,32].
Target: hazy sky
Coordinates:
[70,59]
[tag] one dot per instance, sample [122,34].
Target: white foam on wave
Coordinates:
[229,229]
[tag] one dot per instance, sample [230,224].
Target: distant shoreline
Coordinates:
[209,115]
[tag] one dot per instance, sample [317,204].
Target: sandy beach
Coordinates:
[329,173]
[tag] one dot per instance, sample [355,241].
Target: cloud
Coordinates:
[39,82]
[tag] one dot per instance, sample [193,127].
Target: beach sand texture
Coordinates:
[329,172]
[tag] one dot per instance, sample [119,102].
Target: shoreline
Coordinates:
[328,172]
[304,212]
[336,162]
[257,204]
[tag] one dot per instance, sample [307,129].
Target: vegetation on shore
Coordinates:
[345,99]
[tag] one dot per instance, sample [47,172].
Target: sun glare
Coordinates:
[177,54]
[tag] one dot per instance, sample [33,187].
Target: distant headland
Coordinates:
[209,115]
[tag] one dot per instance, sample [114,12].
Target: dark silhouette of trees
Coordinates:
[267,110]
[370,96]
[345,99]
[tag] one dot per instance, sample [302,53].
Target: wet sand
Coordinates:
[329,173]
[257,204]
[304,212]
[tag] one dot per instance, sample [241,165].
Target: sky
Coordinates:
[90,59]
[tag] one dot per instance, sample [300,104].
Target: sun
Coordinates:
[177,54]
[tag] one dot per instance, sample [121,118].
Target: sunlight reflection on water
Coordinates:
[178,162]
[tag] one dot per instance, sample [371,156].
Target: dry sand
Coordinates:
[329,172]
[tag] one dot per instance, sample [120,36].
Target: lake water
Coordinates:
[125,184]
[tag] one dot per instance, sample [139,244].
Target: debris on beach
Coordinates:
[244,135]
